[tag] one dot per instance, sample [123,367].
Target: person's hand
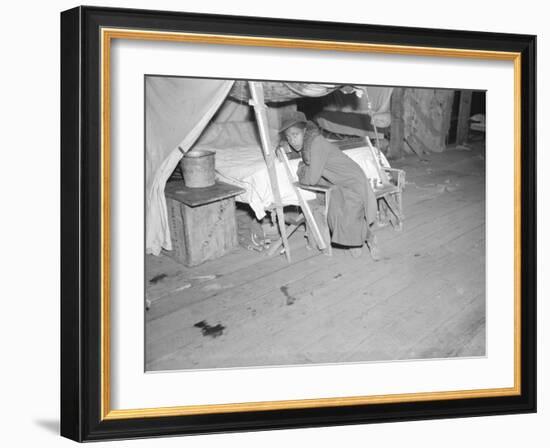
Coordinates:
[278,152]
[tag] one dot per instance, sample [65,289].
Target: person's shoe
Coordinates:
[372,244]
[355,252]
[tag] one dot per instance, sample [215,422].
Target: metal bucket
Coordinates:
[198,168]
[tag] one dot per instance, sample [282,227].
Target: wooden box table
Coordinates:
[202,221]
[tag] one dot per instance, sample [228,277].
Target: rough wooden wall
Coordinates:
[427,118]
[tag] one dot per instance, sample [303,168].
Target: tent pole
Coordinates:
[305,207]
[257,93]
[371,114]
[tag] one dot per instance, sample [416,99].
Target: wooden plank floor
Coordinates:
[424,299]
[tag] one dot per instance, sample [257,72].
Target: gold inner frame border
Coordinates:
[107,35]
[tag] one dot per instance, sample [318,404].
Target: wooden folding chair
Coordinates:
[388,197]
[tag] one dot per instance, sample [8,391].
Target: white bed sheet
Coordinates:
[245,167]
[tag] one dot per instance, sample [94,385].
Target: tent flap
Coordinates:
[177,111]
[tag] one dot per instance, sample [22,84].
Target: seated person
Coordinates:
[353,208]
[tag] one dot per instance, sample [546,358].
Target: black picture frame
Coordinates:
[82,407]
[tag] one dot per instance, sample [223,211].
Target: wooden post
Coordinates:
[257,93]
[464,109]
[397,128]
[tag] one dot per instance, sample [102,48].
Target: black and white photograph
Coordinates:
[275,224]
[292,223]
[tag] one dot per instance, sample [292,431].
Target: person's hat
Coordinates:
[291,119]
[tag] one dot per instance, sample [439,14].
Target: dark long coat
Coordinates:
[352,205]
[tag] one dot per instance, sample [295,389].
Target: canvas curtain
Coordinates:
[176,112]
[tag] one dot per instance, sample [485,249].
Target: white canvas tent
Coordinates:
[178,110]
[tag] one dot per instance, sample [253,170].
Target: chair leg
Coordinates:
[327,229]
[394,208]
[398,199]
[321,217]
[327,239]
[307,236]
[290,231]
[382,212]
